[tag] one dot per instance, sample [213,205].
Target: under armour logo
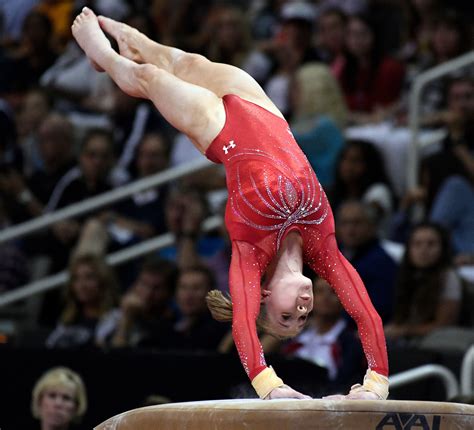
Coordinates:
[230,146]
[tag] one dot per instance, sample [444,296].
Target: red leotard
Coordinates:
[273,190]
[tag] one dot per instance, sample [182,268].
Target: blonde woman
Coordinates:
[59,399]
[89,295]
[319,117]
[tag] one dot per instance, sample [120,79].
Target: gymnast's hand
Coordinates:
[375,387]
[286,392]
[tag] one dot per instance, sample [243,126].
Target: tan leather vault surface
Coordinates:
[296,414]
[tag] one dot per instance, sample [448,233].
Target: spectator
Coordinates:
[230,42]
[328,341]
[133,220]
[189,244]
[78,183]
[370,80]
[35,108]
[185,211]
[419,24]
[89,295]
[26,197]
[356,229]
[56,149]
[88,179]
[90,176]
[456,156]
[59,399]
[27,62]
[145,310]
[446,173]
[331,38]
[142,216]
[428,290]
[196,329]
[451,37]
[319,113]
[360,174]
[289,48]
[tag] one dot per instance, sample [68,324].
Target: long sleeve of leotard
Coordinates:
[331,265]
[244,282]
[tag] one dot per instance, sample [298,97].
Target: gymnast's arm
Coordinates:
[332,266]
[244,280]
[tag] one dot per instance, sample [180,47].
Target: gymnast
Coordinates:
[277,214]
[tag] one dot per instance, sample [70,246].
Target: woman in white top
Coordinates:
[428,292]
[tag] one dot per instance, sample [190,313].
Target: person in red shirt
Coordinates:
[371,81]
[277,214]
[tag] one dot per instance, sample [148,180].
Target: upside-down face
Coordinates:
[288,302]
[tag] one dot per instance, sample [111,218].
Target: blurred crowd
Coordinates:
[340,70]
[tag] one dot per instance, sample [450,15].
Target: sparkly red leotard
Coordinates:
[273,190]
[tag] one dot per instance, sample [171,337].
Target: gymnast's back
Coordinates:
[270,182]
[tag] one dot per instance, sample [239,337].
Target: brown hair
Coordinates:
[204,270]
[221,309]
[167,269]
[418,291]
[106,279]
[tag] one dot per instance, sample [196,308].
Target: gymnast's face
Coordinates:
[288,301]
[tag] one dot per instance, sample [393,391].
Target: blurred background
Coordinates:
[102,307]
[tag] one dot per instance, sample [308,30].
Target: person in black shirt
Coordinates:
[87,179]
[196,329]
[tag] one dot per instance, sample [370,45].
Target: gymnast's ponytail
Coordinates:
[221,309]
[220,306]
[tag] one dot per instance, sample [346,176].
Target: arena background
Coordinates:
[343,72]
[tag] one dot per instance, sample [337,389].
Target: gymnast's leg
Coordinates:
[219,78]
[194,110]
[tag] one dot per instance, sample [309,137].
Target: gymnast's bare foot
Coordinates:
[132,44]
[91,39]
